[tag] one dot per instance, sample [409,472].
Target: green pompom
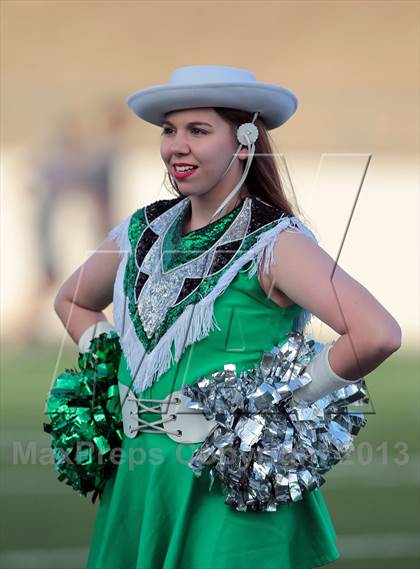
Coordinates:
[85,413]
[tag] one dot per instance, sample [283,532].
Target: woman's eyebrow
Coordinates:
[189,124]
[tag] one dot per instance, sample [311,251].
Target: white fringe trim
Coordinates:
[119,308]
[120,234]
[196,321]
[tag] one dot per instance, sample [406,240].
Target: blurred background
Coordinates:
[75,161]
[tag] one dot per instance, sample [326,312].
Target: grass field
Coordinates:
[373,498]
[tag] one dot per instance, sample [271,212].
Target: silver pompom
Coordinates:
[266,448]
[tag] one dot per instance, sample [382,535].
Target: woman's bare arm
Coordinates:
[311,278]
[88,291]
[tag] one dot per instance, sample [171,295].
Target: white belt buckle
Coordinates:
[190,425]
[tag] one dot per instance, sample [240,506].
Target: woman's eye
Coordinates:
[167,130]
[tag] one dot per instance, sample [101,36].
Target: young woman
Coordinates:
[215,276]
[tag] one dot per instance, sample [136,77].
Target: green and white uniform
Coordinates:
[184,307]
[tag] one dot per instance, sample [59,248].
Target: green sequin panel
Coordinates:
[178,249]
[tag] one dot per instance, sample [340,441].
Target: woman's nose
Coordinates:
[179,144]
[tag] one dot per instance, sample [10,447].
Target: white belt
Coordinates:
[181,423]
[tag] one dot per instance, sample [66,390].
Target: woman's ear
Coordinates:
[243,154]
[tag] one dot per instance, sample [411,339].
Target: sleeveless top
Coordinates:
[167,284]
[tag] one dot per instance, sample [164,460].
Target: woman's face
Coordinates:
[200,138]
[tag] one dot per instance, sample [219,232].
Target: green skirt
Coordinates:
[155,513]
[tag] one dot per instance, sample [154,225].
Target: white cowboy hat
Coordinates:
[198,86]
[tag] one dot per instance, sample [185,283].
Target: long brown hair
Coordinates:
[263,179]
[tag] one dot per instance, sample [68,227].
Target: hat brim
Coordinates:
[275,104]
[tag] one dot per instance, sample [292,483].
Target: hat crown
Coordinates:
[199,74]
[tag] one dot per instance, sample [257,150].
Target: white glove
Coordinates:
[93,332]
[324,379]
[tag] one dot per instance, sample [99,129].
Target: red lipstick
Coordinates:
[186,173]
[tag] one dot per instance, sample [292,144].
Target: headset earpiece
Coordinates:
[247,133]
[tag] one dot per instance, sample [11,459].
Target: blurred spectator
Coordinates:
[71,164]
